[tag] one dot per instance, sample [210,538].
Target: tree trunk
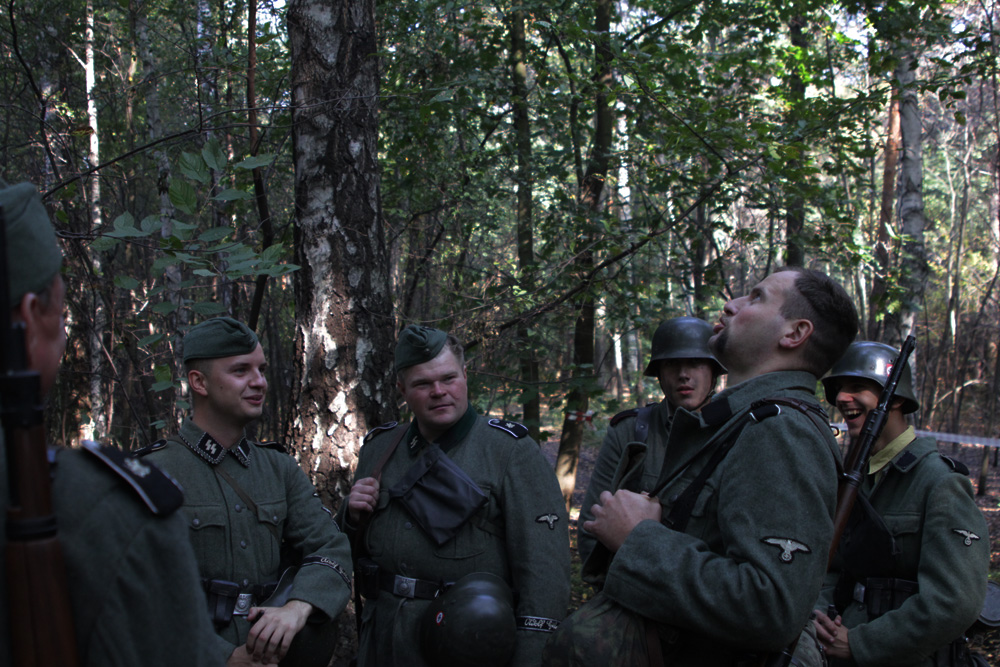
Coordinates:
[530,398]
[344,329]
[876,303]
[913,258]
[795,207]
[592,199]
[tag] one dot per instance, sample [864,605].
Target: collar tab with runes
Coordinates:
[210,450]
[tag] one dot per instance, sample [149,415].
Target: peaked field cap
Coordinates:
[33,254]
[219,337]
[417,345]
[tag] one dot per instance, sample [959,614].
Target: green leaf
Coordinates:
[204,272]
[256,161]
[164,308]
[103,243]
[163,385]
[126,282]
[182,195]
[232,195]
[151,339]
[208,308]
[124,228]
[215,234]
[193,166]
[213,155]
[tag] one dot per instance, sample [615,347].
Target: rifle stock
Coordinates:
[41,619]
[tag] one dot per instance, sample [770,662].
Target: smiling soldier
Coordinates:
[454,497]
[253,514]
[910,574]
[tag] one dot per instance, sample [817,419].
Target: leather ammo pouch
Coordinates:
[438,495]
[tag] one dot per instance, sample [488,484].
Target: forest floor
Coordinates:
[982,639]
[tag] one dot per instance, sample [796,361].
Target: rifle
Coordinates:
[857,457]
[855,464]
[41,618]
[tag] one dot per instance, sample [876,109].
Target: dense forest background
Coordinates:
[548,180]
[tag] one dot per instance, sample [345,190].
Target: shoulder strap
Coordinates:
[680,512]
[377,472]
[248,500]
[158,490]
[642,419]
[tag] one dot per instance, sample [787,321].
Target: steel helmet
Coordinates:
[471,624]
[681,338]
[873,361]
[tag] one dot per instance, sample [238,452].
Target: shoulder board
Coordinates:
[270,444]
[625,414]
[159,444]
[157,489]
[517,430]
[956,465]
[388,426]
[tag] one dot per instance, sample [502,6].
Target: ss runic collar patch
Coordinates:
[788,547]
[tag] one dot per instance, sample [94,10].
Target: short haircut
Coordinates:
[450,343]
[824,302]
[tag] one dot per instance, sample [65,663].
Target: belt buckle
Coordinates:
[404,586]
[243,603]
[859,593]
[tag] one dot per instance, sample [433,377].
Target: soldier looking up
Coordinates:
[252,513]
[502,515]
[725,560]
[134,588]
[909,577]
[688,373]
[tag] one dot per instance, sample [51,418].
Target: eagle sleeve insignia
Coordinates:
[788,547]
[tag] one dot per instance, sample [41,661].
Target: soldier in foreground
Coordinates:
[724,561]
[909,577]
[500,526]
[688,373]
[252,513]
[134,588]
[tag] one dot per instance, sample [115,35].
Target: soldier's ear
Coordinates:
[796,334]
[197,382]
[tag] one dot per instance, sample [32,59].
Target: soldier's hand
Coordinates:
[363,498]
[615,516]
[274,628]
[832,636]
[240,658]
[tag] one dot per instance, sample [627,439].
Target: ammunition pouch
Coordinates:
[227,599]
[438,494]
[877,594]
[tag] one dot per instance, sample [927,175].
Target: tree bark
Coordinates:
[591,199]
[344,329]
[876,303]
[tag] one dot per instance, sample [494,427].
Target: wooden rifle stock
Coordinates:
[42,633]
[860,451]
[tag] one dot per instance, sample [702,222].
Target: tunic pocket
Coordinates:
[208,528]
[272,518]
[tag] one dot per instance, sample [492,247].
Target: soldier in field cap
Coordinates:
[276,569]
[134,589]
[453,497]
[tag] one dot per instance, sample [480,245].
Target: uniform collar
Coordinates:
[449,438]
[884,457]
[205,446]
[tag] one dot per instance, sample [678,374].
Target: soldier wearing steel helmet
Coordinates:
[909,576]
[688,373]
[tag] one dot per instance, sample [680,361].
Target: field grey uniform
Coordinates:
[744,575]
[943,546]
[621,431]
[232,544]
[520,535]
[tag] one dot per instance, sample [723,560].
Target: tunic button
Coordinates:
[246,582]
[673,498]
[195,522]
[238,508]
[243,543]
[409,525]
[274,518]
